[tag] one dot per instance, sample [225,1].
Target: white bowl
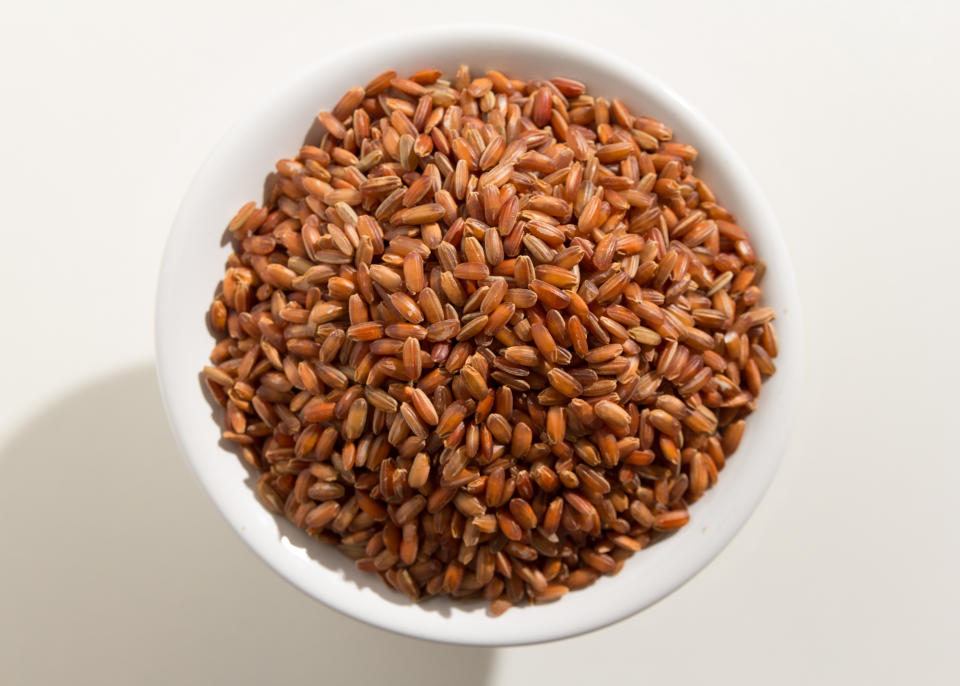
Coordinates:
[193,264]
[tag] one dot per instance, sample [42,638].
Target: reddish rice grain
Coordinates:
[489,337]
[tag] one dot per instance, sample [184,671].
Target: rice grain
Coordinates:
[489,337]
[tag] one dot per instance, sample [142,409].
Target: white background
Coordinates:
[114,569]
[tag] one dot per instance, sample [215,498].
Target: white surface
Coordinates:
[117,570]
[194,259]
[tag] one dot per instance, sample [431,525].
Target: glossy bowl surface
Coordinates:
[193,262]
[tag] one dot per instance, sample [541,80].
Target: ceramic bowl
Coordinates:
[193,264]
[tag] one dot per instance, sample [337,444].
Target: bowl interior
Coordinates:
[193,264]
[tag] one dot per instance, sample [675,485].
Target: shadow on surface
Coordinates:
[117,569]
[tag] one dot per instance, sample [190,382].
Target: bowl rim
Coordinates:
[691,119]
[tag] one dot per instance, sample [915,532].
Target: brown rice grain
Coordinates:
[489,337]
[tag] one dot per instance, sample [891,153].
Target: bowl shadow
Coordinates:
[115,556]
